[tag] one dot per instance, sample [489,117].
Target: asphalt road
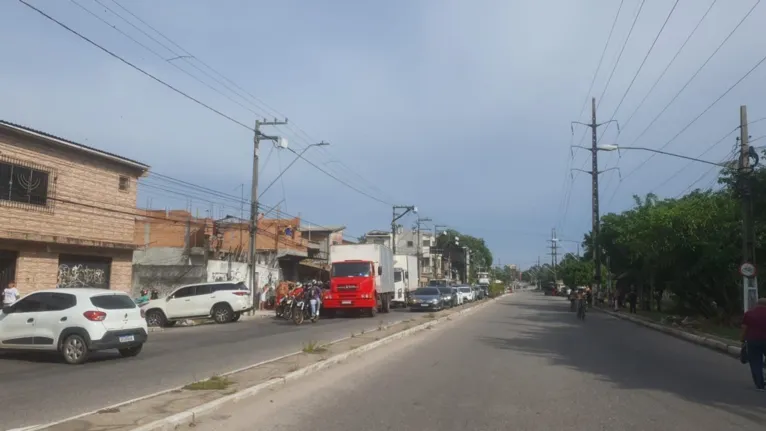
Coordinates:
[524,363]
[37,389]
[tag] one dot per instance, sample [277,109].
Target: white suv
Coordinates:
[74,322]
[224,301]
[465,293]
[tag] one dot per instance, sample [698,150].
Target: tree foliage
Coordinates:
[688,248]
[481,257]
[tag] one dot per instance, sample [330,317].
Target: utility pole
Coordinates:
[419,222]
[749,277]
[594,173]
[554,255]
[395,217]
[254,199]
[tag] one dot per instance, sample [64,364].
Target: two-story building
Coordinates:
[68,212]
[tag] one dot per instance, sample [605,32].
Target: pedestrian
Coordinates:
[10,294]
[632,300]
[262,302]
[754,340]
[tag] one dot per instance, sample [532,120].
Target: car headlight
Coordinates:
[434,301]
[416,301]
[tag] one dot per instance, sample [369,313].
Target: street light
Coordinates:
[407,209]
[283,144]
[652,150]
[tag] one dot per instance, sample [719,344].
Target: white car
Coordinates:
[465,293]
[224,301]
[74,322]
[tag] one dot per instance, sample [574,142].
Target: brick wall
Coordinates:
[100,212]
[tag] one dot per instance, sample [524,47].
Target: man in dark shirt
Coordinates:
[754,335]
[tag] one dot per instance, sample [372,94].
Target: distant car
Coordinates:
[74,322]
[452,296]
[223,301]
[426,298]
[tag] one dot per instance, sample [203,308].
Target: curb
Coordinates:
[179,419]
[710,343]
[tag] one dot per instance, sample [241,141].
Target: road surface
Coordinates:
[39,389]
[523,363]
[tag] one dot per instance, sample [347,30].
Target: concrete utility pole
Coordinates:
[254,199]
[594,172]
[749,278]
[554,254]
[418,223]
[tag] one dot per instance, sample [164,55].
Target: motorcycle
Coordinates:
[285,307]
[302,310]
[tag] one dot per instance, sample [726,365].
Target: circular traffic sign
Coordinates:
[747,269]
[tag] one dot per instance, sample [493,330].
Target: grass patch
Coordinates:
[703,327]
[214,383]
[313,347]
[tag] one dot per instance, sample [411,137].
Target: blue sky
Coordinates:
[462,108]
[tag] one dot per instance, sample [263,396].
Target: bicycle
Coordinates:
[581,310]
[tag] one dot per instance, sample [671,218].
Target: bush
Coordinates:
[496,289]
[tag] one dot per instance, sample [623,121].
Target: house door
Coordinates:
[7,267]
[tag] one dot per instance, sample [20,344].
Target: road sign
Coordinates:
[747,269]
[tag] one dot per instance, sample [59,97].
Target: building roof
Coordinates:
[65,143]
[330,228]
[378,233]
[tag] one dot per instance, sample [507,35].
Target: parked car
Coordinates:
[451,296]
[74,322]
[466,294]
[427,298]
[223,301]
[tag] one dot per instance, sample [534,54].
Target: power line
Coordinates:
[696,73]
[672,60]
[568,185]
[142,71]
[619,56]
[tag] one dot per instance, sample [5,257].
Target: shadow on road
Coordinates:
[629,356]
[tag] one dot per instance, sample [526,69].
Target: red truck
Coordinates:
[361,278]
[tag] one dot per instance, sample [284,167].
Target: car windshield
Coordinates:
[427,291]
[351,269]
[465,289]
[436,283]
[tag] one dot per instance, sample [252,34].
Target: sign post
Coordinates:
[749,275]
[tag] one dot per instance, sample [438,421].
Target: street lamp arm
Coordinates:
[680,156]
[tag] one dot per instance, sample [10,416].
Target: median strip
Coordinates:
[181,406]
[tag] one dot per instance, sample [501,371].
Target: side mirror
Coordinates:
[7,309]
[380,270]
[168,298]
[406,274]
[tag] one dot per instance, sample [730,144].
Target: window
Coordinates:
[84,271]
[124,183]
[410,243]
[184,292]
[113,302]
[29,304]
[57,301]
[229,286]
[351,269]
[203,289]
[23,184]
[426,243]
[397,275]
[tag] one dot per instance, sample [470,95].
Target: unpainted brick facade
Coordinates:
[88,214]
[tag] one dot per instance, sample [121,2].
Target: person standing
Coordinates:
[10,294]
[632,299]
[754,340]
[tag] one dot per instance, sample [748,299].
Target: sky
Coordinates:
[462,108]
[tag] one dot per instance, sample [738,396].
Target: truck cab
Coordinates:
[361,278]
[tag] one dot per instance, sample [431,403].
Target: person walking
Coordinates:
[754,341]
[10,294]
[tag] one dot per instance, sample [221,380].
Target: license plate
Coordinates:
[424,305]
[127,338]
[345,302]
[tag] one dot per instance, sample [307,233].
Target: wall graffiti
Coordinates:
[81,275]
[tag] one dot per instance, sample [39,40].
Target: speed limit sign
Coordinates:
[747,269]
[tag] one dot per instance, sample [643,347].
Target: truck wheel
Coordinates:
[373,311]
[386,306]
